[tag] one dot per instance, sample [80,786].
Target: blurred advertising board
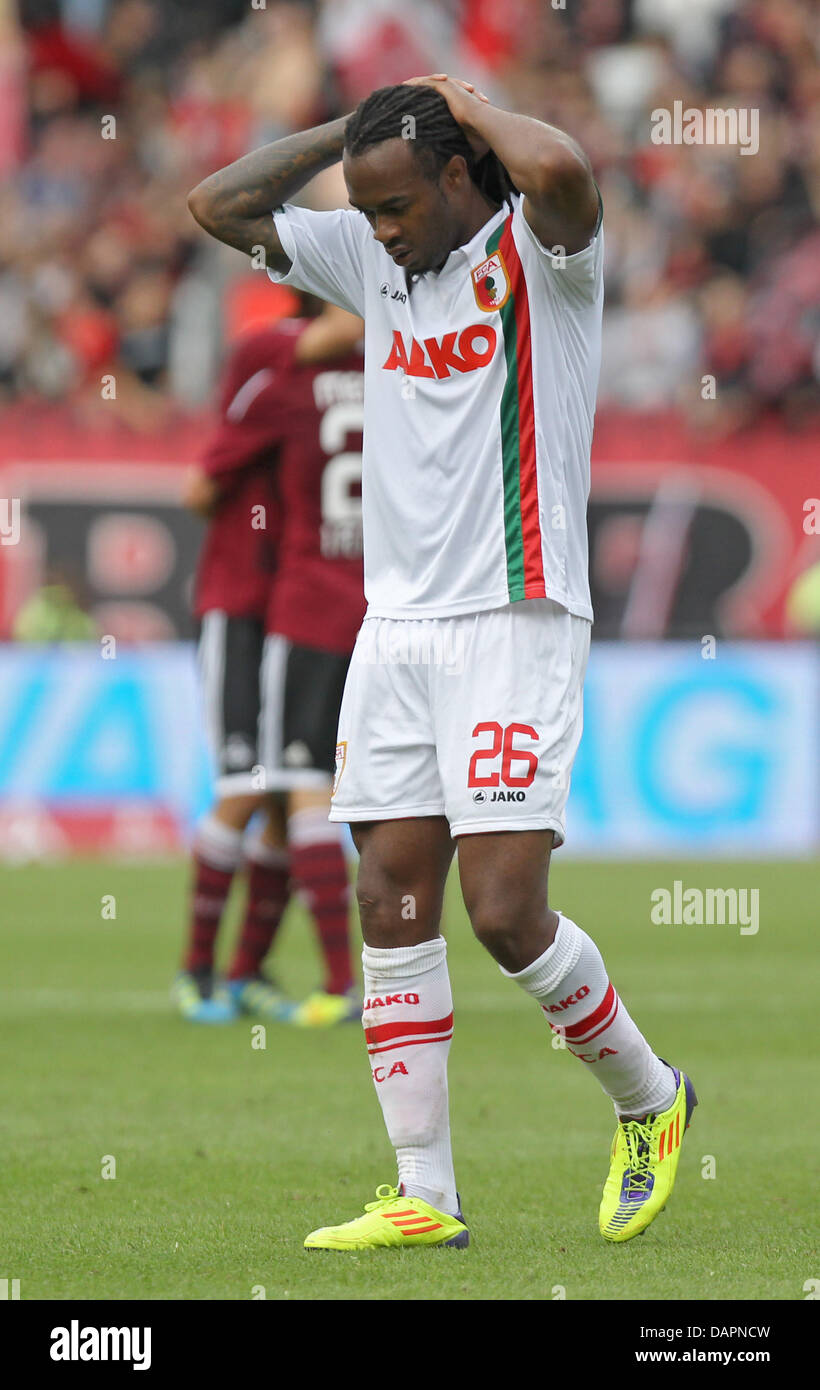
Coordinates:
[692,534]
[699,748]
[99,755]
[689,534]
[100,513]
[687,750]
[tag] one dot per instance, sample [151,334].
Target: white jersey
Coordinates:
[480,384]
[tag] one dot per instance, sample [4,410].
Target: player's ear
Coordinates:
[455,176]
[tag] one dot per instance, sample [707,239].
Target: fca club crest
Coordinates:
[491,283]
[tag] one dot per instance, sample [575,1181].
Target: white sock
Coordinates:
[218,844]
[258,850]
[312,827]
[571,984]
[408,1023]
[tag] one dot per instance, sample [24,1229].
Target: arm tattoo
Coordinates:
[235,204]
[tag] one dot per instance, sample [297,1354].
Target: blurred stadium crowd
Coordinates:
[713,257]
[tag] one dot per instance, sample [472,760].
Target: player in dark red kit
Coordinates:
[315,611]
[271,436]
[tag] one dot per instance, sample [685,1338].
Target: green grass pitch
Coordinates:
[226,1155]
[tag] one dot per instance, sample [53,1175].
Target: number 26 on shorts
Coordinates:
[503,746]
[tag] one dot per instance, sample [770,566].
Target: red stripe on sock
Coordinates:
[266,903]
[606,1024]
[382,1032]
[209,893]
[408,1042]
[320,872]
[577,1030]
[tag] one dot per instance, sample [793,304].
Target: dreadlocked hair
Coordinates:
[436,135]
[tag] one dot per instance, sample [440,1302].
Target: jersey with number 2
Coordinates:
[317,596]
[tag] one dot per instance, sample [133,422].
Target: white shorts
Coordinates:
[476,717]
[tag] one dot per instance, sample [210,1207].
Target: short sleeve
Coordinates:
[579,277]
[254,404]
[326,251]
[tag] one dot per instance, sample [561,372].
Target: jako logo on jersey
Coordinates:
[491,283]
[439,357]
[392,999]
[386,1075]
[400,295]
[570,999]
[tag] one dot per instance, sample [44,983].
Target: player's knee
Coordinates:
[502,917]
[372,906]
[379,909]
[391,915]
[236,811]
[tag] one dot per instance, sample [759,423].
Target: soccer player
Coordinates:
[315,610]
[473,250]
[260,485]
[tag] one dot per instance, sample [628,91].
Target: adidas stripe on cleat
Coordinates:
[393,1222]
[643,1166]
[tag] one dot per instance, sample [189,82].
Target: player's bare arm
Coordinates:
[200,492]
[234,205]
[334,333]
[546,164]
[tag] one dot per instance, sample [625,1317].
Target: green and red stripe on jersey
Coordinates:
[522,525]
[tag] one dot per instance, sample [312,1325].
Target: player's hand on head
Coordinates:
[463,99]
[436,79]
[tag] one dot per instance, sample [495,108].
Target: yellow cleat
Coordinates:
[326,1010]
[644,1162]
[395,1222]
